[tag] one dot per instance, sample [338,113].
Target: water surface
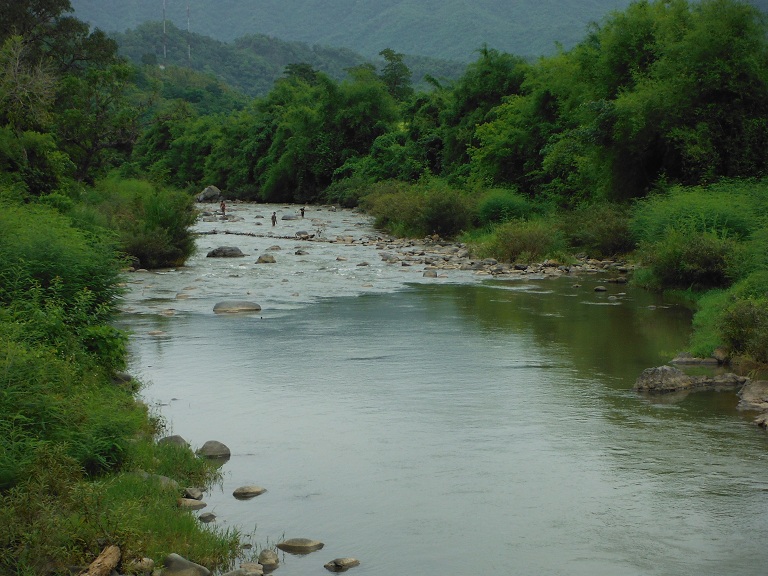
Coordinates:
[453,425]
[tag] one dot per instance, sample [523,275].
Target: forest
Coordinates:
[647,140]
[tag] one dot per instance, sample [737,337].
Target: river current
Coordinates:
[452,425]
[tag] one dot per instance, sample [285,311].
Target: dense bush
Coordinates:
[731,208]
[691,260]
[599,230]
[744,327]
[524,242]
[152,223]
[428,207]
[500,205]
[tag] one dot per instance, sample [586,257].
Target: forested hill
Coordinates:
[450,29]
[252,63]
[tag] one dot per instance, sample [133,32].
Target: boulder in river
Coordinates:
[214,449]
[225,252]
[342,564]
[754,396]
[246,492]
[175,565]
[235,306]
[268,559]
[300,545]
[209,194]
[266,259]
[663,379]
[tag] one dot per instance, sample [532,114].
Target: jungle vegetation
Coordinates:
[645,140]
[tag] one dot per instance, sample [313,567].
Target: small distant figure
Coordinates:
[274,218]
[302,211]
[223,207]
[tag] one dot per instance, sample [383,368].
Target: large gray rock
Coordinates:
[225,252]
[662,379]
[210,194]
[175,565]
[266,259]
[268,559]
[235,306]
[214,449]
[175,439]
[300,545]
[754,395]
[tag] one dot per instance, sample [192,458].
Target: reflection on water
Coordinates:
[454,426]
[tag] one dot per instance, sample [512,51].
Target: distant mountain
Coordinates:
[449,29]
[252,63]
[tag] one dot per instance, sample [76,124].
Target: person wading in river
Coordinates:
[274,218]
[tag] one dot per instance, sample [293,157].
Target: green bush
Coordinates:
[429,207]
[689,259]
[730,208]
[500,205]
[600,230]
[744,327]
[152,223]
[524,242]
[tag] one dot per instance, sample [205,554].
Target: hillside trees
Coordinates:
[664,90]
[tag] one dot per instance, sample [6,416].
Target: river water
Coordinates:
[451,425]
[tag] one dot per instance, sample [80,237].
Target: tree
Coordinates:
[396,75]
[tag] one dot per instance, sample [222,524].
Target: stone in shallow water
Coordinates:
[225,252]
[342,564]
[246,492]
[235,306]
[300,545]
[214,449]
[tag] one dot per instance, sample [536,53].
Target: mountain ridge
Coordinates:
[448,29]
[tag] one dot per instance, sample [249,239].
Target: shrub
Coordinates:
[500,205]
[40,248]
[418,209]
[152,223]
[524,241]
[744,326]
[600,230]
[729,208]
[689,259]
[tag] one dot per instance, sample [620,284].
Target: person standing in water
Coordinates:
[302,211]
[223,207]
[274,218]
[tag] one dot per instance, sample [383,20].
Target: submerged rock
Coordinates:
[235,306]
[342,564]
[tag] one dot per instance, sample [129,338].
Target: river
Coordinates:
[452,425]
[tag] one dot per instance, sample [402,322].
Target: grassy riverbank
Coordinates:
[79,462]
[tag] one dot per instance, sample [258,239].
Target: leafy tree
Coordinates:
[95,123]
[396,75]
